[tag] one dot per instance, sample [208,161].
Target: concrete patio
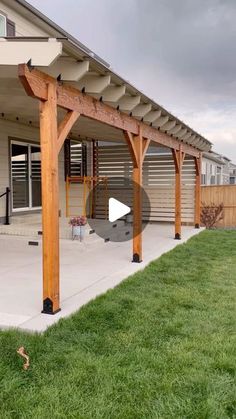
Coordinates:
[84,274]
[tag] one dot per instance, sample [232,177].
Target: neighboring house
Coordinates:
[232,174]
[107,123]
[216,169]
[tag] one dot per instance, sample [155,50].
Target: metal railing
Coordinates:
[7,194]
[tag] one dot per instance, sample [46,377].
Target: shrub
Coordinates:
[211,214]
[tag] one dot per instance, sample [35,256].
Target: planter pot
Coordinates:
[82,233]
[78,231]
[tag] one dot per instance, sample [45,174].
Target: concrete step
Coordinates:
[27,219]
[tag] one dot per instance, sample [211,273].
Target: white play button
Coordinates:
[117,210]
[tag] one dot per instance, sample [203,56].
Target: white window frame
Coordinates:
[30,207]
[5,19]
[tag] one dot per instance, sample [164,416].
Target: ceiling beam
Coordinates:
[152,116]
[186,136]
[175,129]
[192,139]
[69,70]
[113,93]
[141,110]
[40,53]
[181,133]
[160,121]
[168,125]
[92,84]
[127,103]
[36,84]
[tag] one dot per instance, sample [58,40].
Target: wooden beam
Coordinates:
[197,217]
[35,83]
[129,138]
[138,147]
[65,126]
[50,197]
[178,156]
[146,143]
[137,202]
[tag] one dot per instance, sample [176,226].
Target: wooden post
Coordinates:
[197,192]
[137,202]
[178,156]
[51,139]
[138,147]
[50,205]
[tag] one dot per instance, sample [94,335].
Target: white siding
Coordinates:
[22,133]
[24,27]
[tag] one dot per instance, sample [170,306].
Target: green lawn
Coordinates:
[161,345]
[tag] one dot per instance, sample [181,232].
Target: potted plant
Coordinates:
[78,226]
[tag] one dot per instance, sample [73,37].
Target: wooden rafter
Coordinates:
[35,83]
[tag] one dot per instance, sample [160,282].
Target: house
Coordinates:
[213,169]
[216,169]
[68,120]
[232,173]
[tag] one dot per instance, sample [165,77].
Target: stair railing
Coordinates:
[7,194]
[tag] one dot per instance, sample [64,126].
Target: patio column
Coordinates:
[197,215]
[50,205]
[178,156]
[138,147]
[51,140]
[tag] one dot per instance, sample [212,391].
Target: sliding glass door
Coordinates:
[26,176]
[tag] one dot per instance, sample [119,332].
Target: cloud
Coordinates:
[179,52]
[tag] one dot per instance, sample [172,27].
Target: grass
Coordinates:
[161,345]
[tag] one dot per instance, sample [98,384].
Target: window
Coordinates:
[203,179]
[218,175]
[75,158]
[213,180]
[11,28]
[3,25]
[7,27]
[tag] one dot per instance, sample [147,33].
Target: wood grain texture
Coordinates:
[178,156]
[216,194]
[50,197]
[197,213]
[65,126]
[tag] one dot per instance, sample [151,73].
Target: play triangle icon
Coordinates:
[117,209]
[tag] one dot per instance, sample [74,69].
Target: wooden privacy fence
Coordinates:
[216,194]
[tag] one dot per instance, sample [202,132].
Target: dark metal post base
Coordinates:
[177,236]
[48,307]
[136,258]
[197,226]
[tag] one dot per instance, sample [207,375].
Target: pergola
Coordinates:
[53,94]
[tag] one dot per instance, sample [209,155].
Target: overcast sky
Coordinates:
[182,53]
